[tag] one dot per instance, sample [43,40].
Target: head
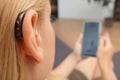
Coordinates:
[32,56]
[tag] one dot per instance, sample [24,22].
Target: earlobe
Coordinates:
[31,43]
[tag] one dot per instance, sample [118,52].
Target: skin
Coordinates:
[104,58]
[105,54]
[38,49]
[38,44]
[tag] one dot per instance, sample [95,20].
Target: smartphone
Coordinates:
[90,40]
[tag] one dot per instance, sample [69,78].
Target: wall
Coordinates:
[81,9]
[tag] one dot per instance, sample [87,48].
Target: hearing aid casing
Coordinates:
[18,25]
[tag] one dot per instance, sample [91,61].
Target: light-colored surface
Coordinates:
[81,9]
[68,31]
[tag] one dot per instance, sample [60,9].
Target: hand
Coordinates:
[105,51]
[78,46]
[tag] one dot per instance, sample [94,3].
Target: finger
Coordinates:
[101,46]
[80,38]
[101,42]
[107,41]
[78,48]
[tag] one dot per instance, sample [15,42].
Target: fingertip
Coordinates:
[101,42]
[81,35]
[102,38]
[106,35]
[80,38]
[107,40]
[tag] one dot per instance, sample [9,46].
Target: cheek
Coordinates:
[48,40]
[50,43]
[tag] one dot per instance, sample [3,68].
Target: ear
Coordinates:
[31,44]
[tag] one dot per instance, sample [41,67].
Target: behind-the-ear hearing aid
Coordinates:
[18,25]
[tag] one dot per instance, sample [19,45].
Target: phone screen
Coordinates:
[90,39]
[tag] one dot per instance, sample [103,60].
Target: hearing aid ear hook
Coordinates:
[18,25]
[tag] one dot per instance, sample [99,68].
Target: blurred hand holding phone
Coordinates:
[90,40]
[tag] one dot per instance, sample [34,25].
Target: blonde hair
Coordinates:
[10,56]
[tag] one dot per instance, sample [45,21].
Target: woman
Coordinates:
[27,43]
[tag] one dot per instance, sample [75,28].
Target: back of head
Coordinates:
[10,56]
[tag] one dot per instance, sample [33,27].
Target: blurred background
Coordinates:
[84,9]
[68,16]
